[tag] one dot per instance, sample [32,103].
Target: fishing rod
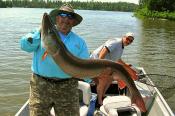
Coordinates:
[142,77]
[149,74]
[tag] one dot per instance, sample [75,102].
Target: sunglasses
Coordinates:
[70,16]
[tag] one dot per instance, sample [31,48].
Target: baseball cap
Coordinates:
[129,34]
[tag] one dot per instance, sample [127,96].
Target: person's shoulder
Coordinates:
[77,37]
[113,40]
[117,39]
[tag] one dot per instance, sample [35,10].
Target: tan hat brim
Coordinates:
[55,13]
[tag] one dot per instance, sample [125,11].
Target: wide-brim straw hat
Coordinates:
[66,8]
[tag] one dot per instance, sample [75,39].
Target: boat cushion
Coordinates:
[112,102]
[86,89]
[83,110]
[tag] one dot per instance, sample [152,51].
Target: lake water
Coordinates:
[153,49]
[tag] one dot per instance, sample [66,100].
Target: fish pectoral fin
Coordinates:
[44,55]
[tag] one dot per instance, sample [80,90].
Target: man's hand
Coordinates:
[30,40]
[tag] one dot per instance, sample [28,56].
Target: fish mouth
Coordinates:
[47,24]
[49,35]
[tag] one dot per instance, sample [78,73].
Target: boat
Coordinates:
[117,102]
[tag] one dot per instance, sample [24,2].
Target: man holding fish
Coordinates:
[112,49]
[49,85]
[58,55]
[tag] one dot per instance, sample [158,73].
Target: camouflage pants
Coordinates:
[44,95]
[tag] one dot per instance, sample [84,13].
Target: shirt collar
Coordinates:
[122,44]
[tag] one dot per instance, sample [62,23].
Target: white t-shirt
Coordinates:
[115,48]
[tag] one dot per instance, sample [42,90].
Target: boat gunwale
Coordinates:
[158,94]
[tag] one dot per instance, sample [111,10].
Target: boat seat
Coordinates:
[112,105]
[86,90]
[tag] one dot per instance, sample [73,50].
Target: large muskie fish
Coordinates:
[80,68]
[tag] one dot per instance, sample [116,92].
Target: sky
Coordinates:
[130,1]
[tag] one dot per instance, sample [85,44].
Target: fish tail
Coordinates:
[44,55]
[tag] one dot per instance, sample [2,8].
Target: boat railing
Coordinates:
[156,93]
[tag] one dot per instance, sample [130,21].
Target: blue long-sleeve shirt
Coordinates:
[47,67]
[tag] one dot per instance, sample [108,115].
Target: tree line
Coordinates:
[156,9]
[146,8]
[119,6]
[158,5]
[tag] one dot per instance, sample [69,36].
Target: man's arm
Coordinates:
[103,53]
[31,41]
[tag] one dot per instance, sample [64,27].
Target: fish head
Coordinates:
[49,35]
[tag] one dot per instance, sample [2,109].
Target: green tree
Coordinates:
[158,5]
